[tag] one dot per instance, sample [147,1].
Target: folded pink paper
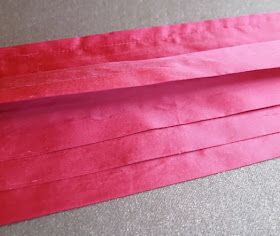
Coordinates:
[89,119]
[139,44]
[152,144]
[60,123]
[117,75]
[26,203]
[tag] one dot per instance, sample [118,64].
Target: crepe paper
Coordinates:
[118,75]
[66,122]
[25,203]
[139,44]
[137,148]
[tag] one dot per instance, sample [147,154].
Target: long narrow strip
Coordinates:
[151,144]
[129,74]
[139,44]
[137,148]
[57,124]
[56,196]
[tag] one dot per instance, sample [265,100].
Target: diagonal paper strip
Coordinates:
[139,44]
[56,124]
[137,148]
[26,203]
[129,74]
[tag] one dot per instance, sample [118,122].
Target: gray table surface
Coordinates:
[239,202]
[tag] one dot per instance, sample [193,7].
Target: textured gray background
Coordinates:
[239,202]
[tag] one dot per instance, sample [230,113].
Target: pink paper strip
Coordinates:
[118,75]
[26,203]
[139,44]
[137,148]
[57,124]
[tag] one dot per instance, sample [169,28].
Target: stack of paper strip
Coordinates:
[88,119]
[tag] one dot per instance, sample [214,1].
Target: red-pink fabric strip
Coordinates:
[58,124]
[137,148]
[35,77]
[26,203]
[139,44]
[129,74]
